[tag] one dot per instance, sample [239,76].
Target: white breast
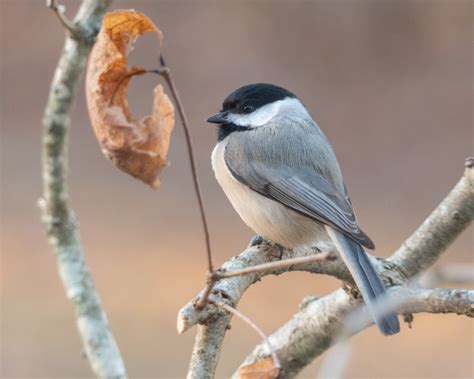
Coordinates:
[264,216]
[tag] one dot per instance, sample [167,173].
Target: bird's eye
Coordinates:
[248,109]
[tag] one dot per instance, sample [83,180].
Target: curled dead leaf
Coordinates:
[138,147]
[261,369]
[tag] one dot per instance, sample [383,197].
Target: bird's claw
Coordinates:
[258,240]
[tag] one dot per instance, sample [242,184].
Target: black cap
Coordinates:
[248,98]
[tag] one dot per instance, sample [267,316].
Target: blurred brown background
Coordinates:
[388,81]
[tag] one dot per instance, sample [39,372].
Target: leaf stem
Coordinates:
[165,72]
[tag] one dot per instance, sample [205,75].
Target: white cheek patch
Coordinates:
[257,118]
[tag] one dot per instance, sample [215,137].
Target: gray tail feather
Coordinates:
[365,277]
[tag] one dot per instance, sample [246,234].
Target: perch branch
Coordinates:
[453,215]
[211,329]
[62,227]
[219,274]
[229,290]
[325,256]
[402,266]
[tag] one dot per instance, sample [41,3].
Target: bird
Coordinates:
[281,175]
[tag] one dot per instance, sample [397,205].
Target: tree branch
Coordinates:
[61,224]
[59,12]
[207,348]
[273,266]
[212,321]
[230,289]
[314,328]
[409,299]
[448,220]
[306,336]
[439,300]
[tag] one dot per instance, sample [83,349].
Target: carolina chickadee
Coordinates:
[282,177]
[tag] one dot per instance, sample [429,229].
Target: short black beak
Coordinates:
[218,118]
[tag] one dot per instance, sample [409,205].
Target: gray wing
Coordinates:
[302,189]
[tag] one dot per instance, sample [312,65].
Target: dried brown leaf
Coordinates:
[138,147]
[261,369]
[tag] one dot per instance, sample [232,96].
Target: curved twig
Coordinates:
[99,344]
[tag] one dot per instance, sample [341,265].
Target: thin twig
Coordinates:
[217,275]
[325,256]
[239,314]
[58,10]
[230,290]
[165,72]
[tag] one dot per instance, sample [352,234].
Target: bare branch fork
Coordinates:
[61,224]
[313,328]
[59,12]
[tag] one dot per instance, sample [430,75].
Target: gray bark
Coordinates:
[61,224]
[314,327]
[206,351]
[318,324]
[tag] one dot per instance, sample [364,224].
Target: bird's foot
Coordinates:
[258,240]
